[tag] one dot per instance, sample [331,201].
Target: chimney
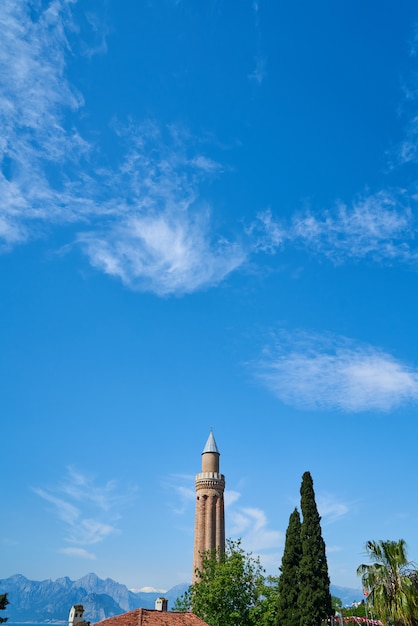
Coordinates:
[76,616]
[161,604]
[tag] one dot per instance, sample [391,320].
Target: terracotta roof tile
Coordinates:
[148,617]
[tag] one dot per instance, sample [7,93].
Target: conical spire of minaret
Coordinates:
[211,444]
[209,531]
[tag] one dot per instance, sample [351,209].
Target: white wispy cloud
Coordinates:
[206,164]
[142,219]
[318,372]
[332,549]
[330,508]
[89,511]
[231,497]
[406,151]
[377,226]
[251,525]
[80,553]
[82,488]
[182,486]
[380,227]
[258,74]
[158,235]
[165,253]
[91,531]
[35,98]
[266,233]
[64,510]
[100,30]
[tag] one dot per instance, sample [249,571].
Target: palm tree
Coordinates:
[390,580]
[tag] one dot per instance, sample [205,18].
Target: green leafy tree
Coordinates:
[314,596]
[3,603]
[184,602]
[288,612]
[264,613]
[230,589]
[356,611]
[391,582]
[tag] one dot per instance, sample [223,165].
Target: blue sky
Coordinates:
[208,217]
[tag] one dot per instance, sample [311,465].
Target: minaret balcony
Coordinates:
[209,476]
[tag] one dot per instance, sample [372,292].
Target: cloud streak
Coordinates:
[165,253]
[183,487]
[79,553]
[259,73]
[330,508]
[314,372]
[250,524]
[141,219]
[380,228]
[158,235]
[89,512]
[35,99]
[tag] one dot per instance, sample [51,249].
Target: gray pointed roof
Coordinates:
[211,444]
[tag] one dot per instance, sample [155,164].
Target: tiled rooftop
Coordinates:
[147,617]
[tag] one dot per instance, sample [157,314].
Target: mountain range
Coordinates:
[49,601]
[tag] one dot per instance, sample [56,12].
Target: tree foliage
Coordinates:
[391,581]
[314,597]
[288,611]
[361,610]
[230,589]
[264,613]
[3,603]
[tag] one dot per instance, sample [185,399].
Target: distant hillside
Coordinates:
[49,601]
[346,594]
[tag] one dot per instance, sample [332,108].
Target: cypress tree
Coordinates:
[314,597]
[288,613]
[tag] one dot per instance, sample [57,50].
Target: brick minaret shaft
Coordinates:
[209,530]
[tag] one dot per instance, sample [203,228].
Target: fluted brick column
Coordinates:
[209,531]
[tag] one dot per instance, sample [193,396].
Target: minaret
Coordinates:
[209,532]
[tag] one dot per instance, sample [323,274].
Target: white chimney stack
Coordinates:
[76,616]
[161,604]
